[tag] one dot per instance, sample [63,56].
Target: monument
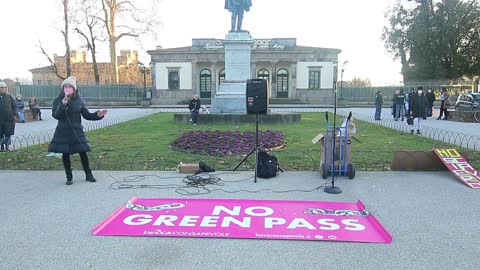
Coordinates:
[230,97]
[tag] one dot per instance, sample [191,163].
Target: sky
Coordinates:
[353,26]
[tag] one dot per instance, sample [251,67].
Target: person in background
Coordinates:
[378,105]
[399,103]
[418,109]
[69,108]
[430,99]
[34,108]
[409,98]
[20,108]
[8,113]
[194,107]
[445,103]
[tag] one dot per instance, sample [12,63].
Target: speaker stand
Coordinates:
[254,150]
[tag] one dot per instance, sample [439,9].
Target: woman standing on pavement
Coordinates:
[69,108]
[418,109]
[445,99]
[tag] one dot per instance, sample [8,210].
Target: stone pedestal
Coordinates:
[230,97]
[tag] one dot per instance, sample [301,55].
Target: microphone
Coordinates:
[67,96]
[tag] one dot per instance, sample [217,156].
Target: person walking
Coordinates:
[399,103]
[445,103]
[418,109]
[378,105]
[20,108]
[8,113]
[69,108]
[430,99]
[194,107]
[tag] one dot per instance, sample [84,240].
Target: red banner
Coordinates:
[459,166]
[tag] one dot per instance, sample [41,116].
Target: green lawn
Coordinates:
[143,144]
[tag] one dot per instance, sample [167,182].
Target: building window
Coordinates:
[282,83]
[205,84]
[314,77]
[173,79]
[221,76]
[263,74]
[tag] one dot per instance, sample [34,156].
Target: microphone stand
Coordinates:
[333,189]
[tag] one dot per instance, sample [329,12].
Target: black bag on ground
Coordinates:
[267,165]
[410,121]
[205,167]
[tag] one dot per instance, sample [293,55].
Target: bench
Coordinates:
[29,115]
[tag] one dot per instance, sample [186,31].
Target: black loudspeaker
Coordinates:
[257,96]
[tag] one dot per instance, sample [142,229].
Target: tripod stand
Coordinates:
[254,150]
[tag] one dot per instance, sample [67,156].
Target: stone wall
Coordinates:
[171,97]
[466,117]
[321,97]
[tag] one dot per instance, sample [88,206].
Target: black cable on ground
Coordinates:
[194,185]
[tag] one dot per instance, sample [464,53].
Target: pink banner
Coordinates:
[259,219]
[459,166]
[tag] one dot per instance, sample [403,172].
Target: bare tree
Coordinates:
[139,25]
[65,4]
[53,65]
[64,31]
[91,21]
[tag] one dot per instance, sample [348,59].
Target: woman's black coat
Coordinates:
[69,137]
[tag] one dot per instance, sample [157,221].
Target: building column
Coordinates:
[195,75]
[153,75]
[214,79]
[293,85]
[253,72]
[274,79]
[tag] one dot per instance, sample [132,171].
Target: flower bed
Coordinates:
[221,143]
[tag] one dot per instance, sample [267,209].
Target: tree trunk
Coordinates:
[113,61]
[93,49]
[110,10]
[67,44]
[404,61]
[95,65]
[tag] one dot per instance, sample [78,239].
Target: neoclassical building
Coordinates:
[294,72]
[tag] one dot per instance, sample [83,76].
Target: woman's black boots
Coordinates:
[89,176]
[86,167]
[69,177]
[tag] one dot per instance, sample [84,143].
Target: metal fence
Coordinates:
[455,88]
[46,93]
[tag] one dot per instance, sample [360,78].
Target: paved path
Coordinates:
[45,224]
[466,128]
[466,135]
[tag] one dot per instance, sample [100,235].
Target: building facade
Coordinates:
[294,72]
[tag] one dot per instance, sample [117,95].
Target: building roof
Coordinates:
[213,45]
[46,68]
[190,49]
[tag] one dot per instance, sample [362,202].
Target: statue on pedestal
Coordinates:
[237,8]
